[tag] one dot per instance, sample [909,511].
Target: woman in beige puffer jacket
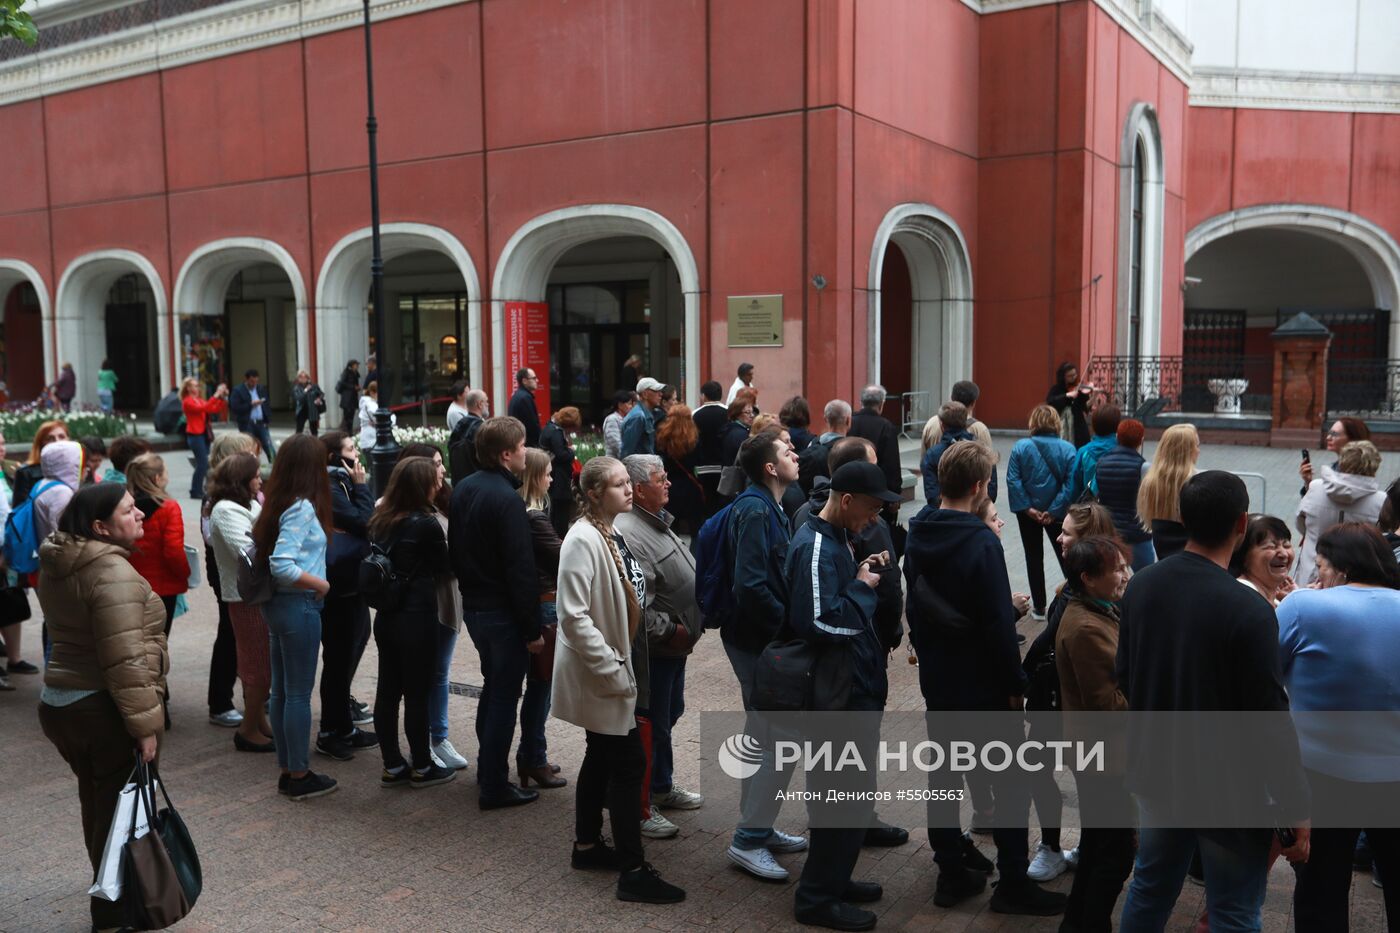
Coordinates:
[104,689]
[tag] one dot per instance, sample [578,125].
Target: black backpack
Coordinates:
[461,448]
[811,463]
[168,413]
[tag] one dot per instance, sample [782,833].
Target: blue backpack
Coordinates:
[714,565]
[21,538]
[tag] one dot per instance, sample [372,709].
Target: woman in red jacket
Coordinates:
[160,555]
[197,411]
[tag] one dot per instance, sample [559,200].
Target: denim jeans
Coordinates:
[667,707]
[199,446]
[264,437]
[1236,863]
[104,399]
[534,709]
[1144,555]
[758,803]
[442,675]
[504,660]
[294,637]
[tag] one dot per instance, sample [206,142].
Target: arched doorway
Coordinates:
[433,298]
[111,305]
[1250,270]
[241,305]
[920,306]
[619,279]
[24,342]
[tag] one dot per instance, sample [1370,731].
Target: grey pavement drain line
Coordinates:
[457,688]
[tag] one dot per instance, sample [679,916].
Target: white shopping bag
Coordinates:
[108,885]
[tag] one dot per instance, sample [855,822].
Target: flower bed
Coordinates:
[19,426]
[438,437]
[588,446]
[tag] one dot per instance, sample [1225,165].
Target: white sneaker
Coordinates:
[446,756]
[678,798]
[1047,864]
[228,719]
[1072,858]
[657,826]
[758,862]
[785,842]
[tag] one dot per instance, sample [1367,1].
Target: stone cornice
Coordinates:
[168,43]
[1291,90]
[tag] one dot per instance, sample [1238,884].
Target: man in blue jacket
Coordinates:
[639,427]
[248,405]
[971,664]
[1104,421]
[832,604]
[758,543]
[953,416]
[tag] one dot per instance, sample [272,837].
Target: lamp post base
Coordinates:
[385,452]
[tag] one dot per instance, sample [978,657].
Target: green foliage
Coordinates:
[20,428]
[15,22]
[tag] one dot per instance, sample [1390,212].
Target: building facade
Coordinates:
[837,191]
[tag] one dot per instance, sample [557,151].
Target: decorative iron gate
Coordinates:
[1358,368]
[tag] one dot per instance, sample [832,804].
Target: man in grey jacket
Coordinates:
[672,620]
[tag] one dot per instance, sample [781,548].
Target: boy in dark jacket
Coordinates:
[833,605]
[953,416]
[961,559]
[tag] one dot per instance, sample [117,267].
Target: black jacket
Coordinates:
[240,405]
[347,390]
[554,443]
[545,541]
[889,609]
[929,465]
[733,437]
[1119,476]
[418,551]
[352,503]
[1059,399]
[522,407]
[491,551]
[962,560]
[304,400]
[711,421]
[878,430]
[1168,537]
[1191,638]
[758,544]
[687,503]
[461,447]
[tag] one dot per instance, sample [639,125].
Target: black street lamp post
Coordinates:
[385,451]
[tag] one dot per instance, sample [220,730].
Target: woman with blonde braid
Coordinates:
[601,592]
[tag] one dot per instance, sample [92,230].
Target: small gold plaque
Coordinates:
[756,320]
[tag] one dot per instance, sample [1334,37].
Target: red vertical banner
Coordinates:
[527,344]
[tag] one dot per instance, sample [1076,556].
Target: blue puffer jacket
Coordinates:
[1038,474]
[1086,467]
[1119,475]
[929,466]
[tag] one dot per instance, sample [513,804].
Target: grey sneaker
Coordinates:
[657,826]
[785,842]
[229,719]
[678,798]
[758,862]
[448,757]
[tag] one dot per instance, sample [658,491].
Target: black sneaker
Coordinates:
[973,859]
[21,667]
[333,746]
[359,738]
[957,886]
[837,916]
[398,778]
[310,785]
[431,776]
[598,855]
[883,835]
[360,713]
[283,782]
[644,886]
[1025,897]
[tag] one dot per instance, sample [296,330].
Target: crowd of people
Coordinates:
[586,586]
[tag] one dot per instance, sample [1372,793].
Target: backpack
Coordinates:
[254,577]
[168,414]
[378,581]
[461,448]
[811,463]
[21,537]
[714,565]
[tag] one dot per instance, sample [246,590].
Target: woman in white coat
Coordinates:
[369,404]
[1347,492]
[601,592]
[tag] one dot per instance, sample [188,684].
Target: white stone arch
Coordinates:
[1374,248]
[1141,127]
[15,272]
[940,273]
[522,274]
[80,314]
[342,292]
[201,287]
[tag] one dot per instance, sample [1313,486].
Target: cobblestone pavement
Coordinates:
[372,859]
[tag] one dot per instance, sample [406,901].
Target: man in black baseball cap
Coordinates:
[832,604]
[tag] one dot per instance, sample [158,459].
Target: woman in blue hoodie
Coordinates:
[1038,491]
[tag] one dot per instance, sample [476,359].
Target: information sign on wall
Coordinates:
[755,320]
[527,344]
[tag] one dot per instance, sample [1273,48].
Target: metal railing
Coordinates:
[915,408]
[1143,386]
[1366,389]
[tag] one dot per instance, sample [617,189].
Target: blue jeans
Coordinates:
[1144,555]
[294,642]
[667,678]
[199,446]
[104,399]
[1236,863]
[758,805]
[442,673]
[504,660]
[264,437]
[534,709]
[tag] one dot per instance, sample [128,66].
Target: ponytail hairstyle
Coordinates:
[591,481]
